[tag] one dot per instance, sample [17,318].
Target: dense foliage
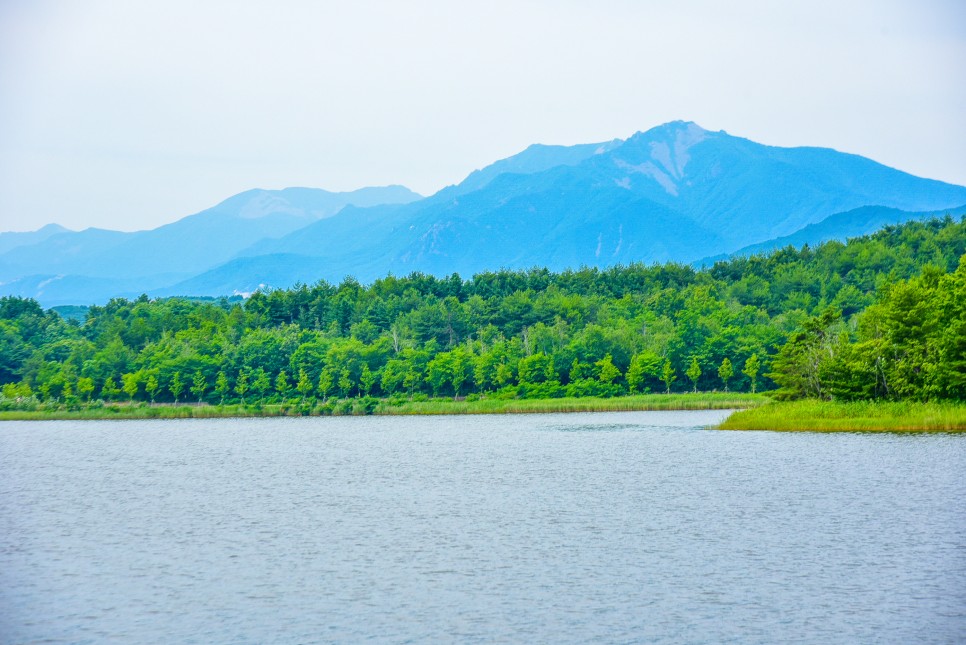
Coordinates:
[883,316]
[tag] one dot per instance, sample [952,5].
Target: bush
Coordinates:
[304,409]
[398,399]
[343,408]
[367,405]
[507,393]
[546,390]
[592,387]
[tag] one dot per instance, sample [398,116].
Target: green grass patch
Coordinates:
[861,416]
[700,401]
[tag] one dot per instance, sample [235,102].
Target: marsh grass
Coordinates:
[355,407]
[862,416]
[128,411]
[700,401]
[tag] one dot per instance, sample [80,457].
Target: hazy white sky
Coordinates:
[126,114]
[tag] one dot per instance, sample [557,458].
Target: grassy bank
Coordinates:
[864,416]
[136,411]
[701,401]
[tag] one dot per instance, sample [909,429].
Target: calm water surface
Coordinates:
[616,527]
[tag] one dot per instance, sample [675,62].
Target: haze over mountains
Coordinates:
[674,193]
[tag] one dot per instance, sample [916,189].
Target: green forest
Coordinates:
[882,317]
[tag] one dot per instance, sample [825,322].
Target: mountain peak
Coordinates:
[661,153]
[673,130]
[52,228]
[535,158]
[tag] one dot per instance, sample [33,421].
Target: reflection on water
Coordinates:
[614,527]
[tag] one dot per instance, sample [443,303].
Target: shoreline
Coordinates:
[386,407]
[751,412]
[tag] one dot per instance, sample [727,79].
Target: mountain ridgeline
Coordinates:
[676,193]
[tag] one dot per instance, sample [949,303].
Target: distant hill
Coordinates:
[57,290]
[100,264]
[841,227]
[676,192]
[13,240]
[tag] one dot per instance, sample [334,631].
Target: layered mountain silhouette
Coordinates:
[13,240]
[674,193]
[840,227]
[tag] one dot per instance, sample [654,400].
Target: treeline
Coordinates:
[911,344]
[881,316]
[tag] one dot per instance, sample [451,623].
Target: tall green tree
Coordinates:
[222,386]
[282,386]
[751,368]
[199,385]
[345,382]
[304,385]
[85,387]
[241,384]
[262,383]
[668,375]
[694,372]
[644,366]
[130,384]
[152,386]
[607,371]
[326,383]
[725,372]
[366,380]
[176,386]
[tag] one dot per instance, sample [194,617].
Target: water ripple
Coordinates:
[616,527]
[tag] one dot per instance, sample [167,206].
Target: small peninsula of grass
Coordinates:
[860,416]
[397,406]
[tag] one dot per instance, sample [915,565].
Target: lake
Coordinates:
[604,527]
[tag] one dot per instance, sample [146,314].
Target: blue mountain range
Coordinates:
[676,192]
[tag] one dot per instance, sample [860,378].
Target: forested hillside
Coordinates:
[883,316]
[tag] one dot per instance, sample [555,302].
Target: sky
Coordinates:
[129,114]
